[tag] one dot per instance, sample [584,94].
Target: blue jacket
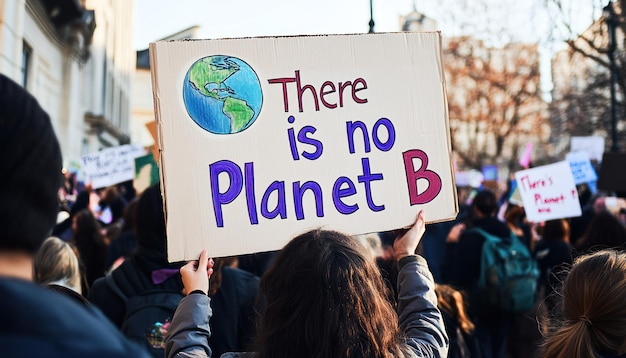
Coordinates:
[419,318]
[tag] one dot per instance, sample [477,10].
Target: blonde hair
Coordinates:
[56,263]
[372,244]
[451,301]
[593,310]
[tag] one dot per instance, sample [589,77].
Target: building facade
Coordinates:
[76,58]
[494,99]
[142,112]
[581,86]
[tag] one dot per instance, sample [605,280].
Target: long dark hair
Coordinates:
[604,231]
[556,230]
[90,246]
[324,297]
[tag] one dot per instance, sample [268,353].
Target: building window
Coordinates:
[27,52]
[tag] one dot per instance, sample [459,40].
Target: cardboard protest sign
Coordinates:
[146,173]
[548,192]
[516,197]
[592,145]
[581,167]
[264,138]
[111,165]
[151,126]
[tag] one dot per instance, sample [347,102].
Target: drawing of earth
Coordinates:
[222,94]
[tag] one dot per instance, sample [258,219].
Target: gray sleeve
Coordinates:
[189,330]
[419,318]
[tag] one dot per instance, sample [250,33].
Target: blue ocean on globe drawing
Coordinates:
[222,94]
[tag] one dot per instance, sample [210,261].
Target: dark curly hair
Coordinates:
[324,297]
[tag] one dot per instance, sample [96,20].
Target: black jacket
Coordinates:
[37,322]
[462,261]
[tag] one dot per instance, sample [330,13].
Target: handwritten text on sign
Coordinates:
[111,165]
[581,167]
[277,142]
[305,145]
[548,192]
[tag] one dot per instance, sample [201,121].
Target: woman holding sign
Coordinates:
[324,297]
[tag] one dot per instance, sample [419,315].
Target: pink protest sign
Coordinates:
[548,192]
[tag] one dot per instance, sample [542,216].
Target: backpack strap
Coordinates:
[114,287]
[125,280]
[128,281]
[486,235]
[491,237]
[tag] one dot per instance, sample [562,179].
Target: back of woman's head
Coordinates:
[87,230]
[604,231]
[324,297]
[485,202]
[56,263]
[556,230]
[130,215]
[593,310]
[513,213]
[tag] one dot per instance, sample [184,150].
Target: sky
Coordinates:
[496,21]
[155,19]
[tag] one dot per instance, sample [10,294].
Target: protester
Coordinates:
[324,297]
[111,205]
[459,327]
[462,270]
[144,278]
[233,296]
[579,224]
[593,320]
[553,254]
[37,322]
[515,219]
[604,231]
[56,264]
[89,241]
[387,264]
[63,230]
[125,243]
[257,263]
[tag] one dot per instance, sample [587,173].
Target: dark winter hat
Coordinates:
[150,221]
[30,170]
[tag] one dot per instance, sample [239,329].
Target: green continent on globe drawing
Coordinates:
[208,77]
[239,113]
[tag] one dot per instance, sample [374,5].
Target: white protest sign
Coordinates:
[548,192]
[461,178]
[111,165]
[264,138]
[592,145]
[581,167]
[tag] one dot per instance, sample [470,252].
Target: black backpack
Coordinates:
[148,312]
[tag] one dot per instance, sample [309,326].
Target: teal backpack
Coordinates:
[508,274]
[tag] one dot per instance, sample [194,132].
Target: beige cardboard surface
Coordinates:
[153,132]
[265,138]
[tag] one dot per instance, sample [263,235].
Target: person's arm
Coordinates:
[418,315]
[189,330]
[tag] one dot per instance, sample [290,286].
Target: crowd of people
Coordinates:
[78,263]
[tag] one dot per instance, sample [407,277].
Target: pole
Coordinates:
[371,31]
[611,24]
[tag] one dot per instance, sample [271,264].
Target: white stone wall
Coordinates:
[66,87]
[143,108]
